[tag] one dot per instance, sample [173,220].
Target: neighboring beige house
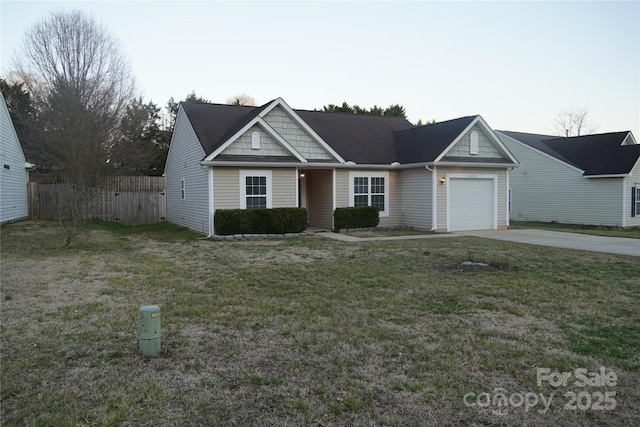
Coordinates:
[446,176]
[591,179]
[14,170]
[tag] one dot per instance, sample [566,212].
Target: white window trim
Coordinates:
[243,186]
[385,175]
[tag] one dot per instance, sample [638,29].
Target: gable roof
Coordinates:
[361,139]
[215,123]
[426,143]
[358,138]
[599,154]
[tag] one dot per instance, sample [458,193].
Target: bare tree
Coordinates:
[574,122]
[242,99]
[80,84]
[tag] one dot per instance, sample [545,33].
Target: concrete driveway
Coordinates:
[556,239]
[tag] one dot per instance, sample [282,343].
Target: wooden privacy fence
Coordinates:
[123,199]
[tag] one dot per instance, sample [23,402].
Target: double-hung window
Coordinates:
[635,200]
[370,189]
[255,189]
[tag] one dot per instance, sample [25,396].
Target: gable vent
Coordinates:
[473,143]
[255,140]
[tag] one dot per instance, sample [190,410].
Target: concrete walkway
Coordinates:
[556,239]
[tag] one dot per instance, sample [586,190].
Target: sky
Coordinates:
[517,64]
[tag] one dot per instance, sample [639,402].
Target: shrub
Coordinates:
[356,217]
[260,221]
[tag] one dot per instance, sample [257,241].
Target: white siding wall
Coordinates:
[544,189]
[415,194]
[485,146]
[295,135]
[630,182]
[13,175]
[183,162]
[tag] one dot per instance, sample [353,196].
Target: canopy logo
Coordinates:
[499,401]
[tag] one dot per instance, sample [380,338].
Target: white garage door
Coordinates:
[471,204]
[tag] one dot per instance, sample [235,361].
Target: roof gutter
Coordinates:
[299,165]
[621,175]
[351,165]
[477,164]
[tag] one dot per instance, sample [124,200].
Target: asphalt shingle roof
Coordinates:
[599,154]
[426,143]
[359,138]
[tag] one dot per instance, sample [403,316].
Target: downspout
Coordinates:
[211,205]
[333,191]
[624,202]
[508,222]
[434,198]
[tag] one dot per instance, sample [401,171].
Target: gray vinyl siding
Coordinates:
[486,147]
[416,198]
[183,162]
[441,193]
[294,134]
[630,182]
[545,189]
[268,145]
[13,181]
[320,203]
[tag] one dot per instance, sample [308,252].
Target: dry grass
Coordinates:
[597,230]
[306,331]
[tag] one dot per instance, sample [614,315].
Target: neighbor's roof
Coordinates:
[599,154]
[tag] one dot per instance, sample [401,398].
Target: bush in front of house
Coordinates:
[356,217]
[260,221]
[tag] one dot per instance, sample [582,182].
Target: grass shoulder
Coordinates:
[596,230]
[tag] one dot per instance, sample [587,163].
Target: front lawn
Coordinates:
[633,232]
[312,331]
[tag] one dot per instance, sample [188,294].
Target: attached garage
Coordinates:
[471,202]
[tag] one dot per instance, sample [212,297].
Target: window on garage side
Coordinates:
[255,188]
[370,189]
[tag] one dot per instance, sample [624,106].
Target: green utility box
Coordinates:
[149,330]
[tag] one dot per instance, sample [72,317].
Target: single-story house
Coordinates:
[446,176]
[14,170]
[590,179]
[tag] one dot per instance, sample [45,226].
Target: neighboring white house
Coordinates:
[14,169]
[446,176]
[591,179]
